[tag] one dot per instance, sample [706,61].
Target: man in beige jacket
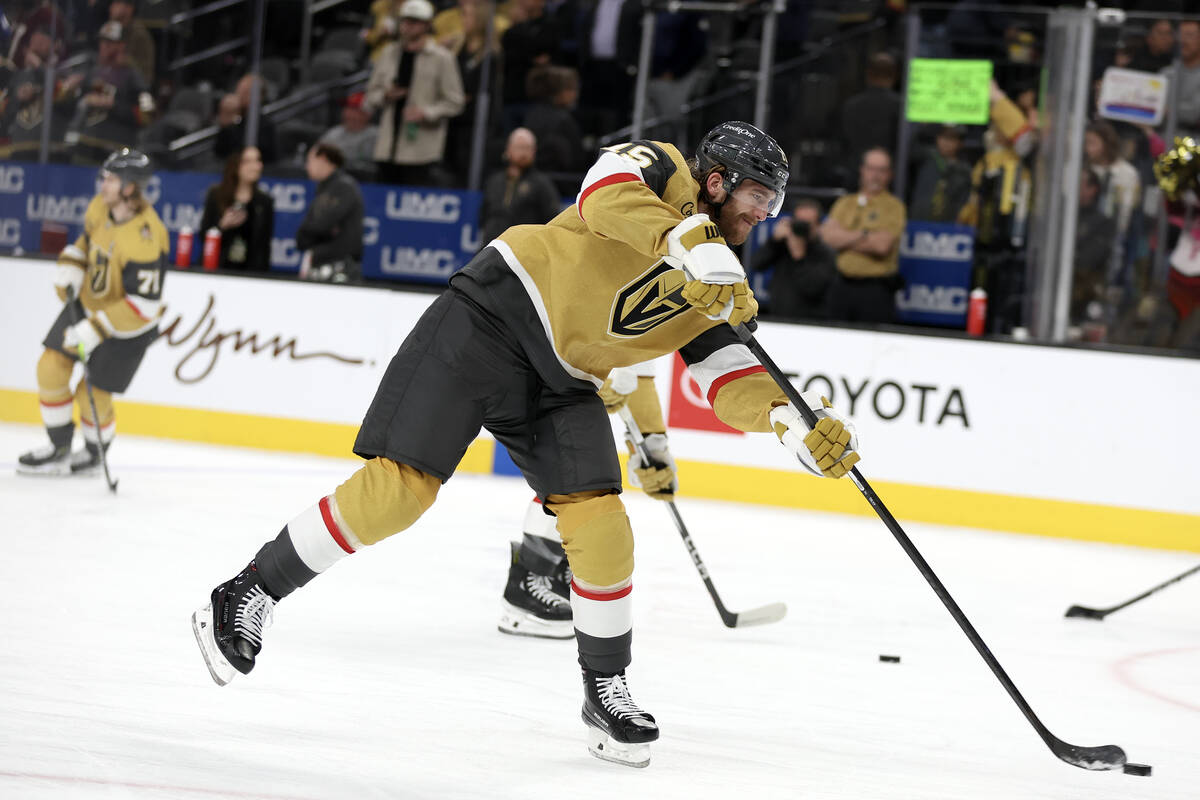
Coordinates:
[416,84]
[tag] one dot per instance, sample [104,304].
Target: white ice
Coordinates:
[386,677]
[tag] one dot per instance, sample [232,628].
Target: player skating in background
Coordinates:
[519,343]
[111,279]
[537,594]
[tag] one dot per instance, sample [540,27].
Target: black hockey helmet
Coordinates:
[745,152]
[131,166]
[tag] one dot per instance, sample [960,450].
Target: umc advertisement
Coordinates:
[414,234]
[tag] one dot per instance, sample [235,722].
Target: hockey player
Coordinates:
[111,281]
[537,597]
[519,343]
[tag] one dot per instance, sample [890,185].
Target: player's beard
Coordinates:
[735,226]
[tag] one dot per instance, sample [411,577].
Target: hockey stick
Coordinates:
[1101,613]
[1094,758]
[762,615]
[87,384]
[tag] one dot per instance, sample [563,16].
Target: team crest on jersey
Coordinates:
[648,301]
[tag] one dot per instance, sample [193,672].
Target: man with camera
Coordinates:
[801,266]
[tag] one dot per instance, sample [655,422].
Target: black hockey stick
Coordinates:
[1101,613]
[762,615]
[1094,758]
[87,384]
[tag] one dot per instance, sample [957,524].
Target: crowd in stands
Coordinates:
[397,84]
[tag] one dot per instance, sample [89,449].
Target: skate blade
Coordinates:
[51,470]
[516,622]
[219,668]
[604,747]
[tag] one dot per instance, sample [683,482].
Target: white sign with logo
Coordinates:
[1132,96]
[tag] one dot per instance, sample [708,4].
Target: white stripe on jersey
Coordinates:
[535,297]
[607,165]
[730,358]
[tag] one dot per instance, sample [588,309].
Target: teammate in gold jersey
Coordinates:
[111,279]
[520,343]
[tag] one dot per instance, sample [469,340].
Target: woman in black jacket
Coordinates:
[242,212]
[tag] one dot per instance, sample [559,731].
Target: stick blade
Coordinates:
[760,616]
[1084,612]
[1104,757]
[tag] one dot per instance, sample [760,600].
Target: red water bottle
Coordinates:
[183,247]
[212,248]
[976,311]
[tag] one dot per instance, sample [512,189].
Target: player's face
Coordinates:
[750,204]
[110,189]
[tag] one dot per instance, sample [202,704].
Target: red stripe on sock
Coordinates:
[57,405]
[590,595]
[332,527]
[731,376]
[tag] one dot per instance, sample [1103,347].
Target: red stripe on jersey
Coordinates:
[590,595]
[332,527]
[609,180]
[136,310]
[731,376]
[57,405]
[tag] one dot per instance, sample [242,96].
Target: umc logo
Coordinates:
[648,301]
[10,231]
[12,180]
[938,246]
[288,196]
[421,206]
[932,299]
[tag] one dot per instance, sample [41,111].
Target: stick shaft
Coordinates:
[1151,591]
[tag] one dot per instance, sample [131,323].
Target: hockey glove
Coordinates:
[82,338]
[621,383]
[716,284]
[829,449]
[658,478]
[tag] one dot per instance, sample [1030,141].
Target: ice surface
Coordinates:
[386,677]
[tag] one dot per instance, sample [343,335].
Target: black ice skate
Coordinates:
[46,460]
[533,607]
[87,460]
[618,730]
[229,629]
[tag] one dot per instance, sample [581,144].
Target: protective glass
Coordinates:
[753,194]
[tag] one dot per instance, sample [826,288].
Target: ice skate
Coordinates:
[532,607]
[618,730]
[86,461]
[229,629]
[46,460]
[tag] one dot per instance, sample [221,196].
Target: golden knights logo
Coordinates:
[648,301]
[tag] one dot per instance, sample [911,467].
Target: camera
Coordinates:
[801,228]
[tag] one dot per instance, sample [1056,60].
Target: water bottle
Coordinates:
[183,247]
[212,248]
[976,311]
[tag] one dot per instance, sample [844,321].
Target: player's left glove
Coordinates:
[829,449]
[82,338]
[657,478]
[620,383]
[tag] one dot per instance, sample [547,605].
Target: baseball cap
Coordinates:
[112,31]
[354,100]
[417,9]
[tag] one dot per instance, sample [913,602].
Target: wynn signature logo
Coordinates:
[203,343]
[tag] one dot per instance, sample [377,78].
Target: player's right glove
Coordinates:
[657,478]
[82,338]
[716,284]
[829,449]
[620,383]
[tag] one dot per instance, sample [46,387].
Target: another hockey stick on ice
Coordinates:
[1101,613]
[1095,758]
[87,384]
[772,612]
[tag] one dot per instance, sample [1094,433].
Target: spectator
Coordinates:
[1157,50]
[464,33]
[869,118]
[554,92]
[1120,186]
[138,42]
[243,213]
[416,84]
[1094,235]
[865,229]
[1188,109]
[385,26]
[518,194]
[943,182]
[531,41]
[802,266]
[356,136]
[454,25]
[680,44]
[331,232]
[608,43]
[231,118]
[115,105]
[23,107]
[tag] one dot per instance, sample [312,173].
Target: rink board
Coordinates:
[1049,441]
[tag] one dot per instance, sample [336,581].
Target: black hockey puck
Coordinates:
[890,659]
[1137,769]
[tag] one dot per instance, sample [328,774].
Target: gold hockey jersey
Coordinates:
[123,266]
[602,294]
